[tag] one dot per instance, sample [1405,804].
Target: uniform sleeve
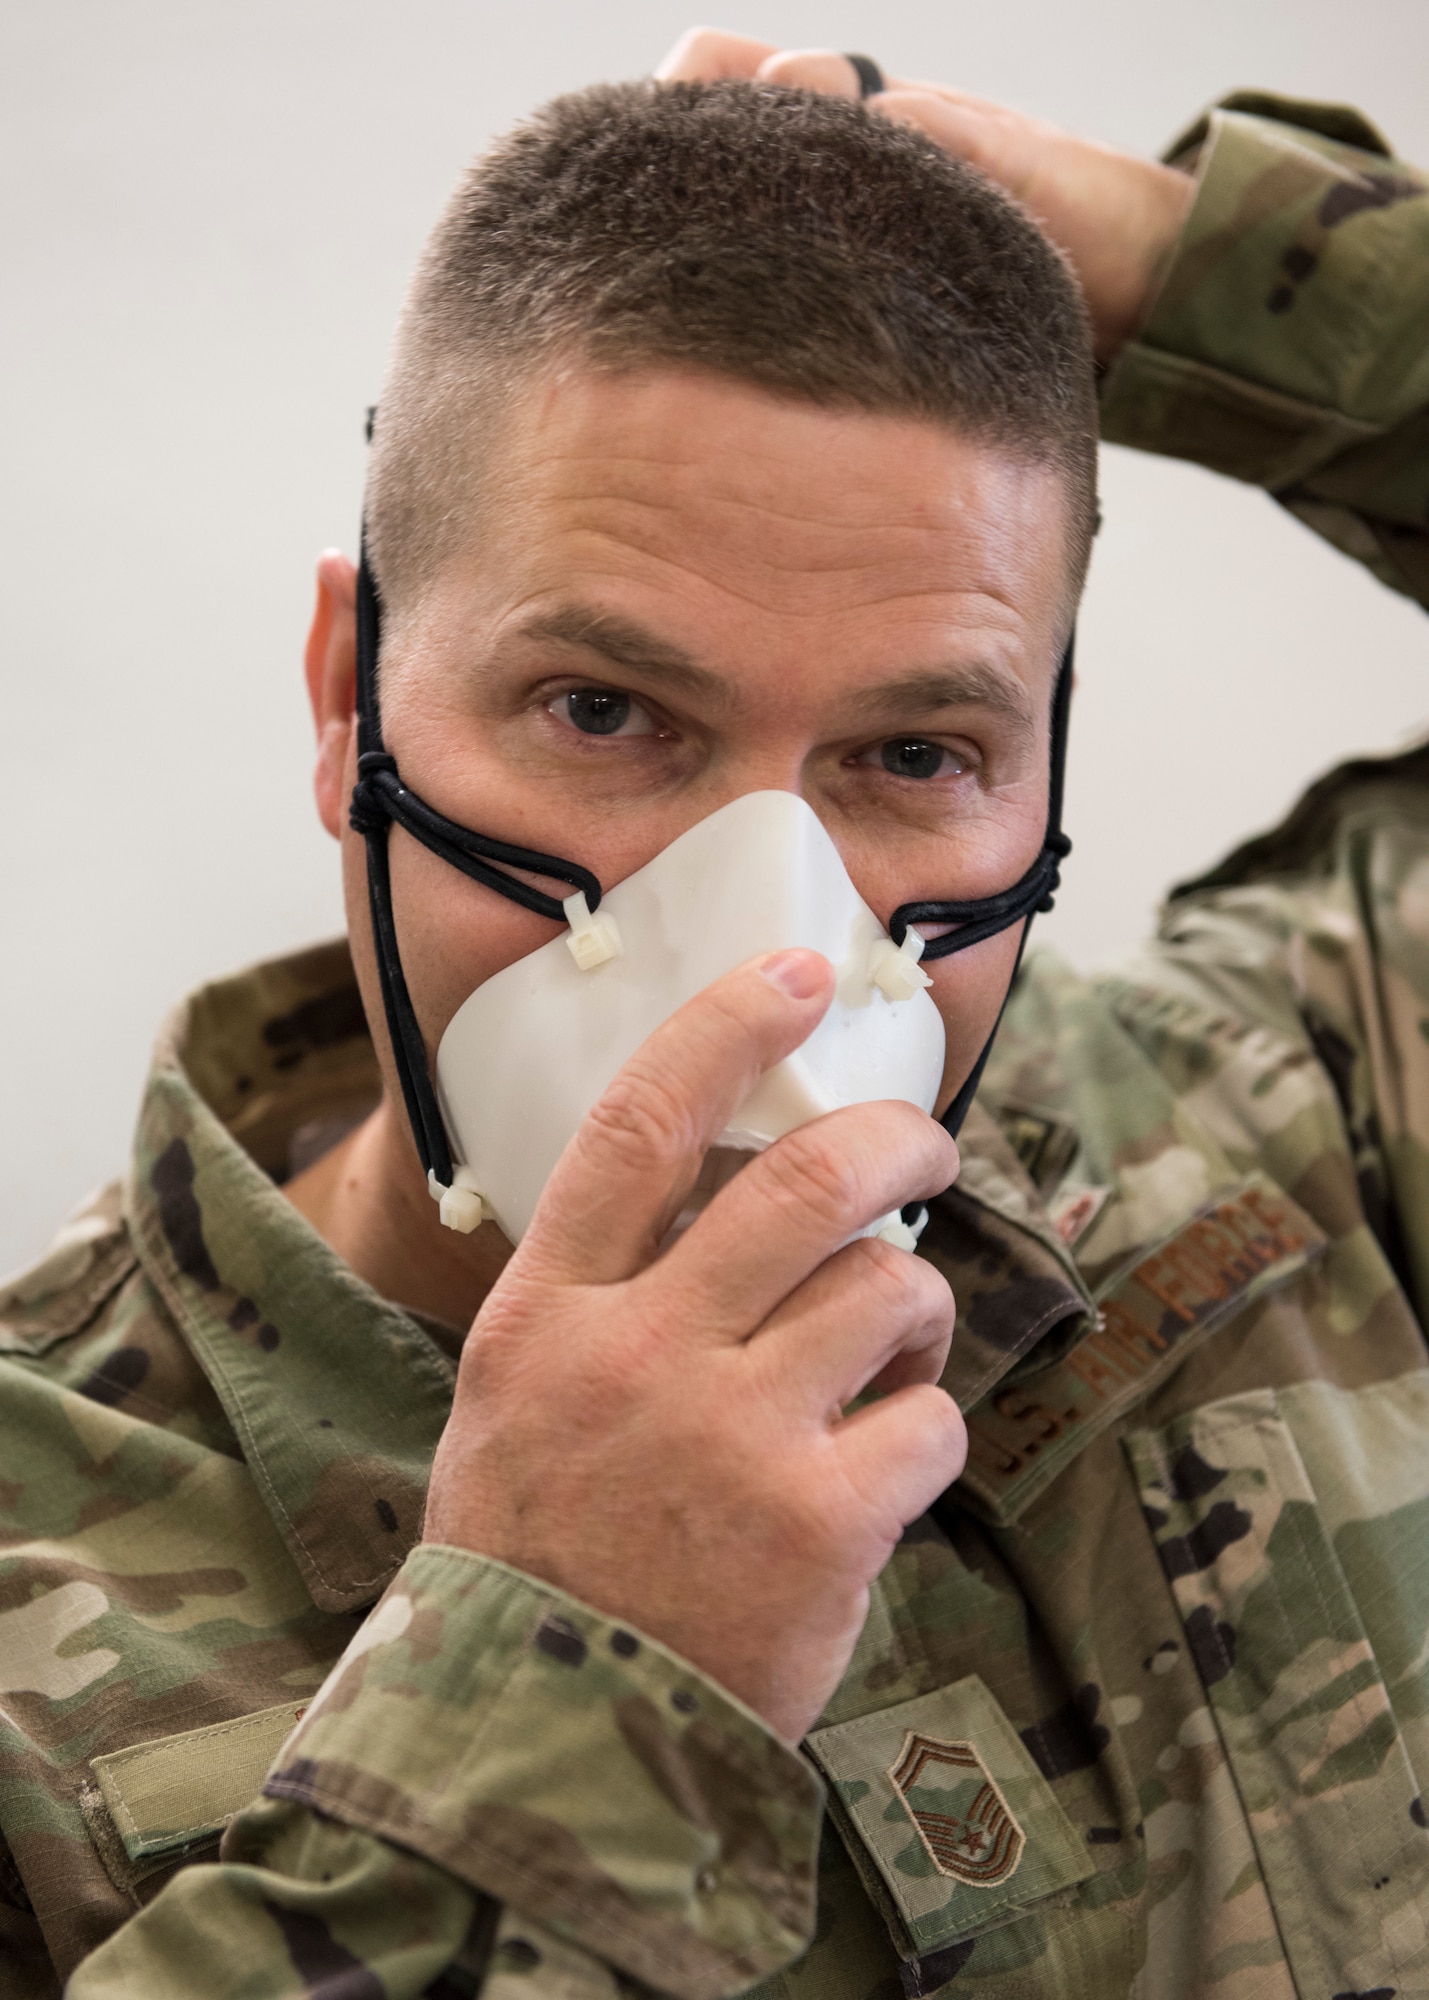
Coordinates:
[494,1772]
[1286,342]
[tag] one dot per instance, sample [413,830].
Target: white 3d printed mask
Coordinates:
[526,1057]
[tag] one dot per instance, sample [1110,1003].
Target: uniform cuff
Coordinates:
[1274,340]
[569,1766]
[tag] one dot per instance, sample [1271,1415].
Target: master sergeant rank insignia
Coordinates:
[961,1817]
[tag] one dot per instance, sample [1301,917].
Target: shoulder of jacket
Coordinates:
[1395,787]
[1340,123]
[59,1294]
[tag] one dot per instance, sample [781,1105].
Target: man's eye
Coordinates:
[603,712]
[915,757]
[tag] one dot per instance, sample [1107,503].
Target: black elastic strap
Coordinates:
[986,916]
[870,77]
[380,797]
[408,1049]
[380,801]
[952,1119]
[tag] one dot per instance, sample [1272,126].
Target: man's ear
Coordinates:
[330,665]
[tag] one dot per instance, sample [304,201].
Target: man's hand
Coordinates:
[663,1436]
[1116,216]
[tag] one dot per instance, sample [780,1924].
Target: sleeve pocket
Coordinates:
[951,1825]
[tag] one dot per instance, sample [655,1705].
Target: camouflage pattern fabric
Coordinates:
[1141,1710]
[1286,346]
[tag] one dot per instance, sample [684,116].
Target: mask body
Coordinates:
[528,1054]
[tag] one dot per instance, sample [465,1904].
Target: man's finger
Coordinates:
[824,70]
[793,1206]
[901,1454]
[703,55]
[870,1314]
[982,134]
[624,1176]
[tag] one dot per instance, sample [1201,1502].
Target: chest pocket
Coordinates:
[159,1801]
[949,1823]
[1292,1526]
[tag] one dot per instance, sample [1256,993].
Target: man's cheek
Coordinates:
[968,989]
[453,934]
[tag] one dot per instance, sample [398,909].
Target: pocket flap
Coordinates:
[961,1825]
[179,1789]
[1251,1239]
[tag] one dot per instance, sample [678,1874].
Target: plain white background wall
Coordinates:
[208,217]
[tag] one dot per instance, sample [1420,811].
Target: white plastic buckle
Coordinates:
[593,939]
[902,1235]
[461,1206]
[894,968]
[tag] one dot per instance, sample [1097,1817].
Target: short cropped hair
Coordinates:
[777,237]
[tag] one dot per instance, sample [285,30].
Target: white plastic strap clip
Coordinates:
[461,1205]
[894,968]
[903,1235]
[593,939]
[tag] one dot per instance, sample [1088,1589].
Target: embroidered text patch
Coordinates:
[1249,1241]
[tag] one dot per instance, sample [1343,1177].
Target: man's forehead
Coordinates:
[701,436]
[792,506]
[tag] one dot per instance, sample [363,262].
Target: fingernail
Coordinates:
[800,974]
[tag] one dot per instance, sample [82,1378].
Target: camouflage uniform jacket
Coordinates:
[1141,1708]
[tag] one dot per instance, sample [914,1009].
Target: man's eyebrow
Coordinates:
[627,644]
[949,687]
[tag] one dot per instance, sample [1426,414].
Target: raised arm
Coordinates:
[1285,342]
[1260,301]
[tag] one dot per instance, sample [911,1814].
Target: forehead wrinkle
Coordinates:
[821,506]
[868,586]
[818,533]
[869,577]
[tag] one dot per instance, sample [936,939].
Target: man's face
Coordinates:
[682,589]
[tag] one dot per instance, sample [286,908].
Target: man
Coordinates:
[738,441]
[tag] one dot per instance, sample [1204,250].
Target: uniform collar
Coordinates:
[1015,1281]
[336,1397]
